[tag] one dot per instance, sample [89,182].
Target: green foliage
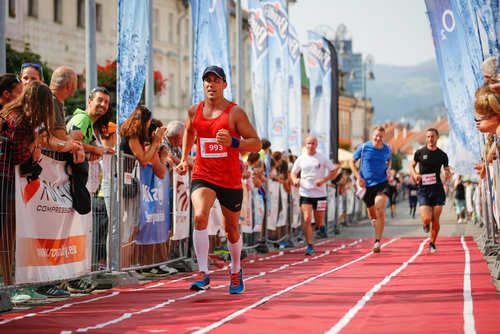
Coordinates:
[397,162]
[15,59]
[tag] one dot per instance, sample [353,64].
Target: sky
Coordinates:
[394,32]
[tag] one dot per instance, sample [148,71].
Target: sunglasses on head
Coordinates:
[35,65]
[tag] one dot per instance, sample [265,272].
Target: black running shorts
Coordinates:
[231,199]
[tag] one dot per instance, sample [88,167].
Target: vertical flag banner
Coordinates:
[259,66]
[133,45]
[53,241]
[154,219]
[275,13]
[318,69]
[294,93]
[459,81]
[482,12]
[210,42]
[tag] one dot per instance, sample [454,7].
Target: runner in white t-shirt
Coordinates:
[315,171]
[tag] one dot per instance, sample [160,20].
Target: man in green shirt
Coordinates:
[80,126]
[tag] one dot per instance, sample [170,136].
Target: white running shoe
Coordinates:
[376,247]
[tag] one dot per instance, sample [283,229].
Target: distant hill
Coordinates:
[409,92]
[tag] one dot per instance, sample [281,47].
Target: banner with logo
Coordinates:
[133,46]
[459,80]
[181,206]
[53,242]
[246,221]
[154,217]
[483,11]
[259,67]
[318,69]
[275,13]
[294,92]
[210,42]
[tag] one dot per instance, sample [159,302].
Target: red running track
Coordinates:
[342,288]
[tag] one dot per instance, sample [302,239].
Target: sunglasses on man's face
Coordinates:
[477,120]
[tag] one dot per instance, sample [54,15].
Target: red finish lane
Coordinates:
[90,310]
[315,306]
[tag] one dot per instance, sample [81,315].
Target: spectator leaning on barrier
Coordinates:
[31,72]
[173,141]
[27,123]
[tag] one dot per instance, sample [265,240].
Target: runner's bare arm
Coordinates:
[447,173]
[250,141]
[413,172]
[187,141]
[333,174]
[355,172]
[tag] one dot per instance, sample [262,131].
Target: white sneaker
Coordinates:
[18,296]
[376,247]
[432,248]
[168,269]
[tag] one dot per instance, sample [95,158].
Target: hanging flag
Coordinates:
[294,93]
[259,66]
[317,61]
[133,46]
[458,56]
[275,13]
[210,43]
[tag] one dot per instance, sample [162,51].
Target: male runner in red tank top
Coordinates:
[222,130]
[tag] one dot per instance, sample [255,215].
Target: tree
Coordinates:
[16,58]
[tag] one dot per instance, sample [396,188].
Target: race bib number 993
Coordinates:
[211,149]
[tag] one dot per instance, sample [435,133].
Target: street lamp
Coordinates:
[367,75]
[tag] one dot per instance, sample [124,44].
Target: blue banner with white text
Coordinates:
[154,219]
[275,13]
[459,79]
[317,60]
[133,46]
[294,93]
[210,42]
[259,68]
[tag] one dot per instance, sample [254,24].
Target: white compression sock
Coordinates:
[235,250]
[200,242]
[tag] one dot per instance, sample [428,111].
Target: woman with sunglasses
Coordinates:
[31,72]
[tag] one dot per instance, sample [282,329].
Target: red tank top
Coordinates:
[215,163]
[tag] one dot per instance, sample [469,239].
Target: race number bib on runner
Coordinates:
[428,179]
[413,193]
[321,206]
[210,148]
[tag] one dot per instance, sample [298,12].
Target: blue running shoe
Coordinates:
[309,250]
[236,285]
[203,282]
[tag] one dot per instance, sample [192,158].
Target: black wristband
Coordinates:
[235,142]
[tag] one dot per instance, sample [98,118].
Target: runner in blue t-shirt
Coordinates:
[375,159]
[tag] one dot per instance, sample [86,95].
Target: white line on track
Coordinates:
[469,323]
[28,315]
[362,302]
[126,316]
[279,293]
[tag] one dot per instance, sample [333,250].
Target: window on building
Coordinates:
[156,27]
[12,8]
[186,32]
[80,13]
[33,8]
[98,17]
[171,27]
[58,11]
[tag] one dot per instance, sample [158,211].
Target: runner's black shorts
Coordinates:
[231,199]
[373,191]
[311,200]
[431,195]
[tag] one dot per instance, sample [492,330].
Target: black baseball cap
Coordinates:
[218,71]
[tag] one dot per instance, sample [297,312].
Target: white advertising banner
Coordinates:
[182,206]
[53,242]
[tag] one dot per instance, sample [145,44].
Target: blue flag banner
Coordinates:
[133,45]
[154,219]
[459,81]
[259,66]
[210,42]
[275,13]
[483,11]
[294,93]
[318,65]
